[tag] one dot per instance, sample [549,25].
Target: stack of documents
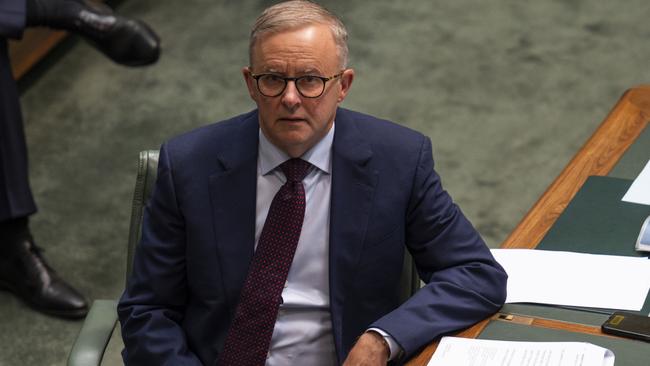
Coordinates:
[575,279]
[480,352]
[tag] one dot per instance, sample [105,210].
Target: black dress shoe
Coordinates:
[129,42]
[24,272]
[126,41]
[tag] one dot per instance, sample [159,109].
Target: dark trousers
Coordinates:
[15,194]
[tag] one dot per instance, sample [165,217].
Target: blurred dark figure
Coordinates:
[130,42]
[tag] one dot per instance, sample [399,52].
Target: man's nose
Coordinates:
[291,96]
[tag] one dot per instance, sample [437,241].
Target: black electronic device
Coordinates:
[628,325]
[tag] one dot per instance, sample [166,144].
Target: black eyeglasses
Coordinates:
[309,86]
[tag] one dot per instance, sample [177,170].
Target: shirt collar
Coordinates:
[320,155]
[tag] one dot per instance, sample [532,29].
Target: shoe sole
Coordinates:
[68,314]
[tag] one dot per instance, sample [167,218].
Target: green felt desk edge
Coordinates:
[628,352]
[634,159]
[597,221]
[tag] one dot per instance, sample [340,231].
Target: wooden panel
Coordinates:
[597,156]
[36,43]
[551,324]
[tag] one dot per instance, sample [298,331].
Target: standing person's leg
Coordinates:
[15,195]
[23,269]
[126,41]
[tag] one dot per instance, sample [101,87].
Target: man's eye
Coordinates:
[273,78]
[310,79]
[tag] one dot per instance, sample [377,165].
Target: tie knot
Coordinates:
[295,169]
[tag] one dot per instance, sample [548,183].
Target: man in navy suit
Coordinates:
[371,193]
[23,270]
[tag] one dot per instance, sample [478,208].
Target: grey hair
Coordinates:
[296,14]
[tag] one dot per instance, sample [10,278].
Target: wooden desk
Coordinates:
[36,43]
[596,157]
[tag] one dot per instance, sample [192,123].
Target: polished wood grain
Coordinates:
[570,327]
[550,324]
[597,156]
[34,45]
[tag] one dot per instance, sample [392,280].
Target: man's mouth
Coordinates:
[292,119]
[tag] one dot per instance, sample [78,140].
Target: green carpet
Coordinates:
[507,90]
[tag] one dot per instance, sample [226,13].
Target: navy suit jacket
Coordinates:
[198,240]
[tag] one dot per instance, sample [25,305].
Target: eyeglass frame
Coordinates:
[294,79]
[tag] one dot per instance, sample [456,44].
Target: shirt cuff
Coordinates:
[394,348]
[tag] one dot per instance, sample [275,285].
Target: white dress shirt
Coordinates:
[303,329]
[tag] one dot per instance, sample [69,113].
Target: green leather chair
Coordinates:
[91,342]
[90,345]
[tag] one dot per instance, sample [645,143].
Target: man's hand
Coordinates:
[370,349]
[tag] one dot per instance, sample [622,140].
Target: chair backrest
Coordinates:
[144,182]
[410,280]
[147,171]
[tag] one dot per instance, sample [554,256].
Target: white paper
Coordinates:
[482,352]
[639,191]
[575,279]
[643,242]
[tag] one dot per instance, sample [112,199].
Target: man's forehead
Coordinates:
[313,35]
[311,47]
[315,28]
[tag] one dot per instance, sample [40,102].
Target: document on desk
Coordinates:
[482,352]
[639,191]
[575,279]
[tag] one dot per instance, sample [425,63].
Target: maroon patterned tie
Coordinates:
[248,339]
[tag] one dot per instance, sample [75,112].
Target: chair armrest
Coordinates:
[89,347]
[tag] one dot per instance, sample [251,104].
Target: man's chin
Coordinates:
[293,139]
[294,133]
[293,143]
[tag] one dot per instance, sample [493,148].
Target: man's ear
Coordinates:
[346,84]
[250,83]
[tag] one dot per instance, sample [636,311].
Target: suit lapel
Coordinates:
[233,195]
[353,188]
